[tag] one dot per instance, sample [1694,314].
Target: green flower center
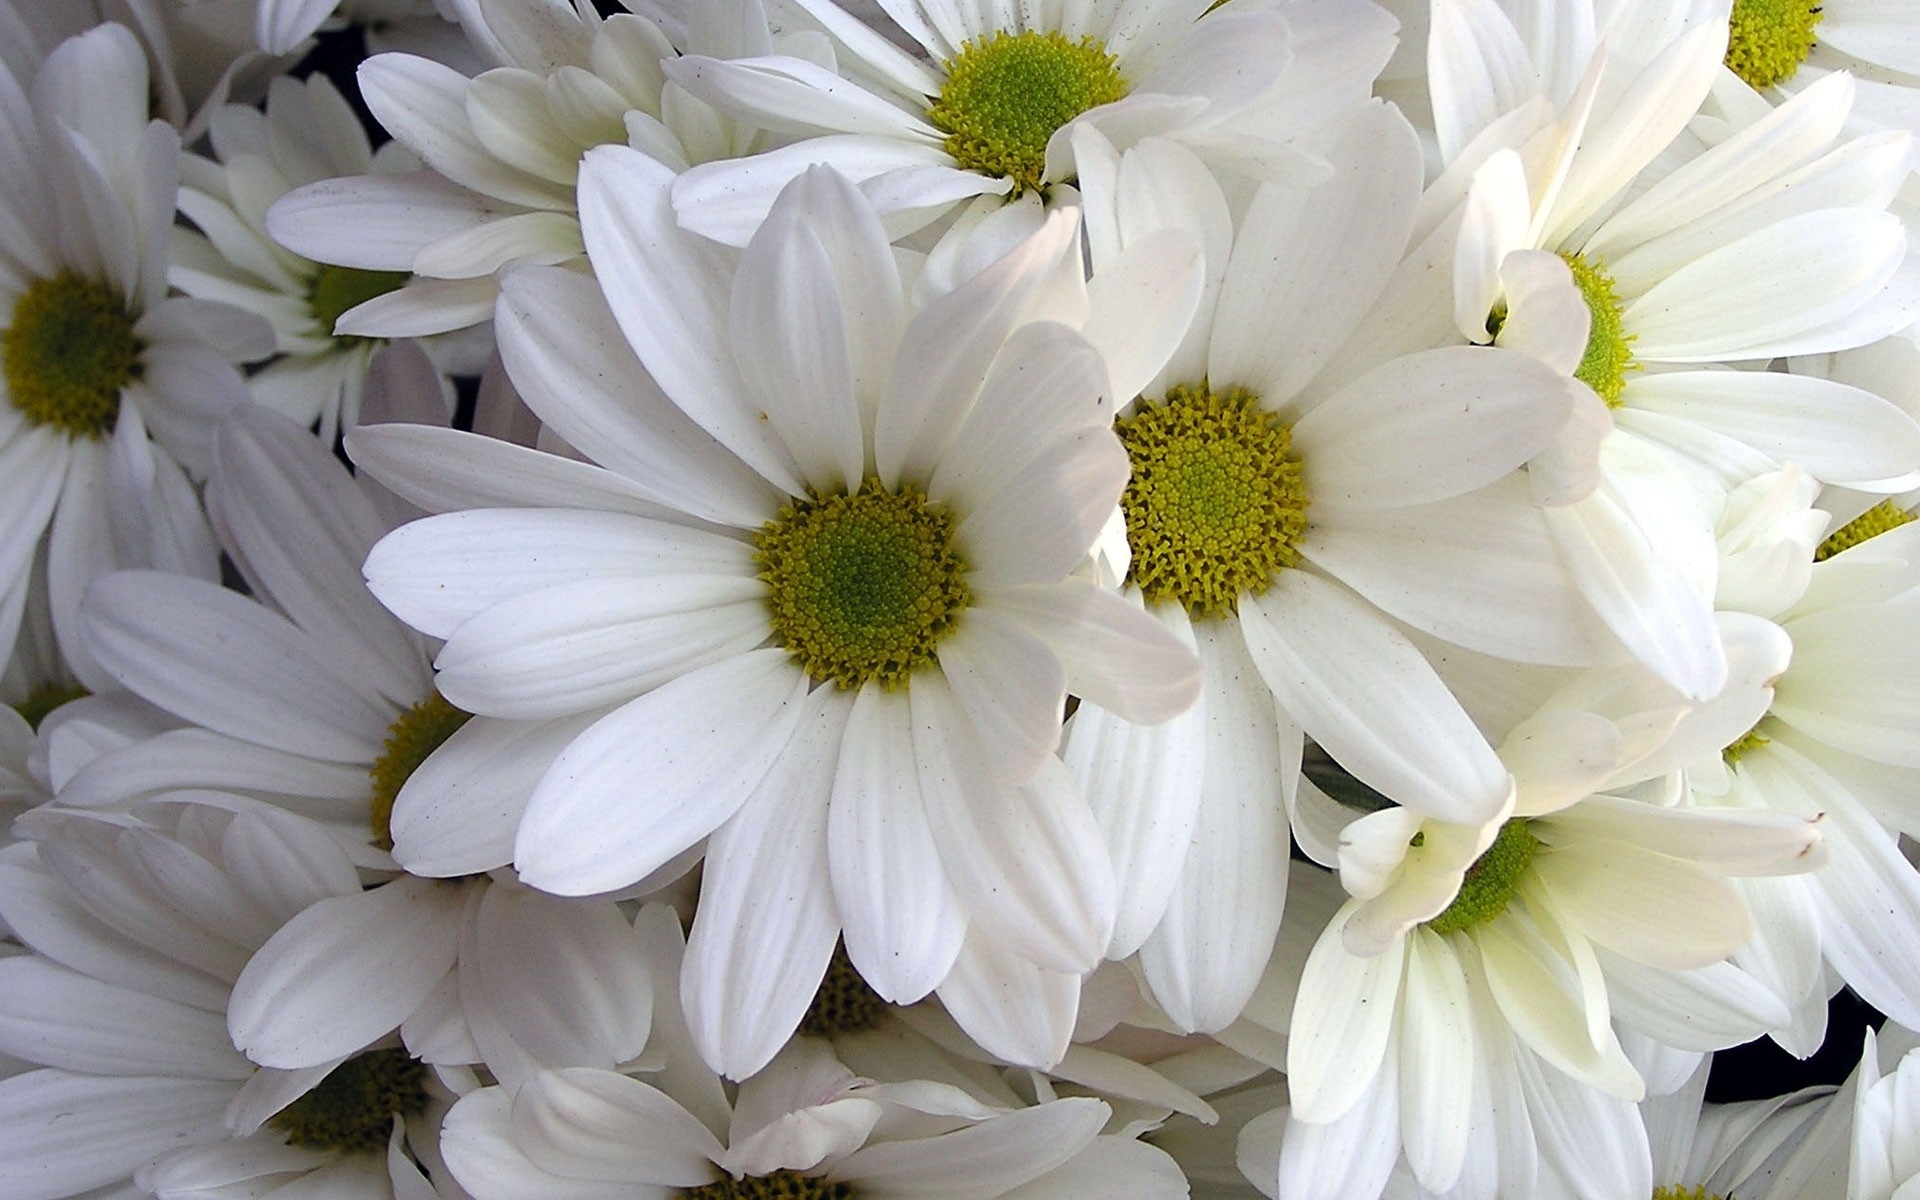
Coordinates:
[1609,354]
[863,587]
[1674,1191]
[418,733]
[44,699]
[1490,881]
[67,354]
[1005,95]
[1746,743]
[1877,520]
[1769,39]
[781,1185]
[844,1003]
[337,289]
[354,1106]
[1215,504]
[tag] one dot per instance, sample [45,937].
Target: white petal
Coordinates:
[1040,525]
[374,222]
[1341,1024]
[1361,690]
[658,774]
[1026,860]
[980,1161]
[63,1134]
[62,1018]
[598,1125]
[481,1149]
[766,923]
[904,925]
[550,982]
[1436,1061]
[1012,1009]
[231,665]
[345,972]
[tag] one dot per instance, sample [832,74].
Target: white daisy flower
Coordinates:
[137,930]
[1836,738]
[307,133]
[1884,1163]
[1287,509]
[825,581]
[1585,151]
[1781,49]
[804,1128]
[93,354]
[1477,974]
[502,152]
[993,111]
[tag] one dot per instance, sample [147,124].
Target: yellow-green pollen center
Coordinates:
[1216,503]
[1491,880]
[1769,39]
[68,352]
[354,1106]
[1745,744]
[1005,95]
[862,588]
[781,1185]
[1609,353]
[418,733]
[44,699]
[843,1003]
[1674,1191]
[1877,520]
[337,289]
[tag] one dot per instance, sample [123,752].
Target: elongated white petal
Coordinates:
[1012,1009]
[1342,1021]
[63,1134]
[598,1125]
[1361,690]
[658,774]
[767,924]
[981,1161]
[62,1018]
[904,925]
[479,1141]
[344,972]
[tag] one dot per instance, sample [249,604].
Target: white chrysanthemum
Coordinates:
[804,1128]
[1767,239]
[1837,738]
[1884,1162]
[92,352]
[502,151]
[1477,975]
[307,133]
[1288,507]
[994,111]
[824,579]
[138,928]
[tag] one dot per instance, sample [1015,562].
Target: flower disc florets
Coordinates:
[781,1185]
[67,354]
[1005,95]
[354,1106]
[1491,880]
[863,587]
[337,289]
[1877,520]
[1215,503]
[418,733]
[1674,1191]
[1609,353]
[1769,39]
[843,1003]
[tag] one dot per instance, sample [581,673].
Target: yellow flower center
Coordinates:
[1215,503]
[1491,880]
[863,587]
[354,1106]
[1674,1191]
[1769,39]
[1609,353]
[67,354]
[44,699]
[781,1185]
[1005,95]
[418,733]
[337,289]
[1745,744]
[843,1003]
[1877,520]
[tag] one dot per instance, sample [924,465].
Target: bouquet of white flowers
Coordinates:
[965,599]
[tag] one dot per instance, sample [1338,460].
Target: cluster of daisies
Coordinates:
[966,599]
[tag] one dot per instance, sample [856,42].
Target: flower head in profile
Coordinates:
[823,578]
